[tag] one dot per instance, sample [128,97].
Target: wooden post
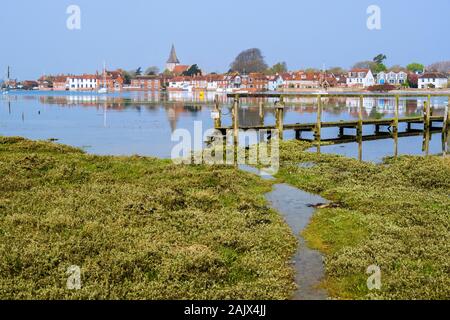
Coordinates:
[359,129]
[395,136]
[279,113]
[261,113]
[395,124]
[318,128]
[445,130]
[341,132]
[235,118]
[218,120]
[427,108]
[298,134]
[445,123]
[359,140]
[426,142]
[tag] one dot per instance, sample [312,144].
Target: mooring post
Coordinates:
[261,113]
[341,132]
[218,113]
[427,111]
[377,128]
[395,135]
[279,113]
[359,129]
[397,103]
[235,118]
[446,119]
[318,128]
[426,142]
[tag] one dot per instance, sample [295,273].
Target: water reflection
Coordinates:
[142,123]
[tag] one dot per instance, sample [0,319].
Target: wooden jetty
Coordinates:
[428,120]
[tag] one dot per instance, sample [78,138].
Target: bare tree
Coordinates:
[250,60]
[442,66]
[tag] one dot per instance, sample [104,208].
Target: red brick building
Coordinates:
[114,80]
[145,83]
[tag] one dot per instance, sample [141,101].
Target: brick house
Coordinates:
[146,83]
[60,83]
[114,80]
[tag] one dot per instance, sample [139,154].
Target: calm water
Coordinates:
[142,123]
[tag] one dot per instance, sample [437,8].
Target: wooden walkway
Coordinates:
[428,120]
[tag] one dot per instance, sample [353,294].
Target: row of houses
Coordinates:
[365,78]
[233,82]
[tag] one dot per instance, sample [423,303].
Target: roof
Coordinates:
[173,56]
[60,79]
[180,68]
[428,75]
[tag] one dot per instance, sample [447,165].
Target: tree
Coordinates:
[415,67]
[379,67]
[151,71]
[397,68]
[442,66]
[413,80]
[193,70]
[250,60]
[127,75]
[337,70]
[279,67]
[365,65]
[379,59]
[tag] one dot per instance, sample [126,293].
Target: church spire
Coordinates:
[173,56]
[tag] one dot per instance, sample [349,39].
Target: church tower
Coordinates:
[173,61]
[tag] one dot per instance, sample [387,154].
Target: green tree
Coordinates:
[279,67]
[250,60]
[415,67]
[193,70]
[379,59]
[379,67]
[151,71]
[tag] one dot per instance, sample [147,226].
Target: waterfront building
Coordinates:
[85,82]
[145,83]
[394,78]
[60,83]
[112,80]
[360,78]
[436,80]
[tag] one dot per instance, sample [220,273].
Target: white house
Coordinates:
[433,80]
[275,82]
[394,78]
[360,78]
[86,82]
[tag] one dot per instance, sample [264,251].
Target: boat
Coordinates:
[104,89]
[5,90]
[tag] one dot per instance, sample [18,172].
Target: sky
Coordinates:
[139,33]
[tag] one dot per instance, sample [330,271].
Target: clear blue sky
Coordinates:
[211,33]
